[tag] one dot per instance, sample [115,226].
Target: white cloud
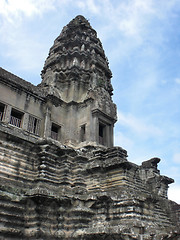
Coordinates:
[135,154]
[26,59]
[176,158]
[174,193]
[14,8]
[121,140]
[135,23]
[129,18]
[173,172]
[23,45]
[131,14]
[92,6]
[177,80]
[81,4]
[140,126]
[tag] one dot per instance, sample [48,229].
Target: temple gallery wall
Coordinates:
[61,175]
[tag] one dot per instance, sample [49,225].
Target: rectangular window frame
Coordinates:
[55,131]
[2,111]
[16,118]
[34,125]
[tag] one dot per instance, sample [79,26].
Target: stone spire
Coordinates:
[76,63]
[76,74]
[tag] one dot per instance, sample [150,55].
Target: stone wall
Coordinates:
[51,191]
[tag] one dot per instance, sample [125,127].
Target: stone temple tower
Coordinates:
[61,178]
[77,74]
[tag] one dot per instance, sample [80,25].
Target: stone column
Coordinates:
[71,134]
[88,125]
[7,114]
[25,121]
[47,123]
[111,144]
[95,129]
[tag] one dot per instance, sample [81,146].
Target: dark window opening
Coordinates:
[141,230]
[2,107]
[102,134]
[33,125]
[101,130]
[16,118]
[83,133]
[55,130]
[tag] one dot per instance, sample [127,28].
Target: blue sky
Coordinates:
[141,39]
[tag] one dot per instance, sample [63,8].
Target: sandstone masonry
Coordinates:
[61,176]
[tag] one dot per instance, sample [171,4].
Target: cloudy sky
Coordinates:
[141,39]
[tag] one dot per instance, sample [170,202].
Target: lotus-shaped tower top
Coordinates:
[76,62]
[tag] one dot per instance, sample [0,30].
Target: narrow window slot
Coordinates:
[83,133]
[102,134]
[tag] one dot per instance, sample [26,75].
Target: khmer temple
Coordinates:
[61,177]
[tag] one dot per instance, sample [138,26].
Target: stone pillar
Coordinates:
[95,129]
[109,141]
[88,125]
[47,123]
[25,121]
[111,134]
[71,135]
[107,136]
[141,237]
[7,114]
